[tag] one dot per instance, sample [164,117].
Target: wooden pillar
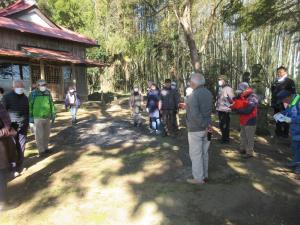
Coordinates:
[62,84]
[42,67]
[73,75]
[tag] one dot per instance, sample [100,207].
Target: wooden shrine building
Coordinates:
[33,47]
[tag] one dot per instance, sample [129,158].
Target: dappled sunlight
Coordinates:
[107,172]
[260,187]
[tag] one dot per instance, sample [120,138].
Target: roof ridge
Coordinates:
[18,6]
[33,28]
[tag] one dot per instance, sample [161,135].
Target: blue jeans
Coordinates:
[3,185]
[73,111]
[296,151]
[155,123]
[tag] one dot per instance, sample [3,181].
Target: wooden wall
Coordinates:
[13,39]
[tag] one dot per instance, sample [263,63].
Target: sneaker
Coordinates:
[194,181]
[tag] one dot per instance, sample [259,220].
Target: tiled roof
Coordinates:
[7,22]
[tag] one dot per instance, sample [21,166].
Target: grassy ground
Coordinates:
[104,171]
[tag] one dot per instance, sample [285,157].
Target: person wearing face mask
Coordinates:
[169,104]
[72,101]
[41,113]
[136,102]
[282,84]
[17,105]
[225,96]
[153,106]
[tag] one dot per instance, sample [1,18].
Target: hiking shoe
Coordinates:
[194,181]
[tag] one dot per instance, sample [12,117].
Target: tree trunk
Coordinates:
[185,21]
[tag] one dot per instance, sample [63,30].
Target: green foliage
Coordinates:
[260,13]
[5,3]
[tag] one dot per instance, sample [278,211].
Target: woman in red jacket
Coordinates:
[246,106]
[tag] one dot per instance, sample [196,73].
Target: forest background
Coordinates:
[156,39]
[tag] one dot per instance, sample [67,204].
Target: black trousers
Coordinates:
[168,121]
[224,124]
[282,128]
[3,185]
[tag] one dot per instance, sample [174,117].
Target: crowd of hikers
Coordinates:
[18,112]
[162,106]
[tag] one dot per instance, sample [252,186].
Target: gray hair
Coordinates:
[15,82]
[198,79]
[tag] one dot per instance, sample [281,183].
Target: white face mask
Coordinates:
[19,91]
[282,78]
[136,90]
[43,88]
[221,83]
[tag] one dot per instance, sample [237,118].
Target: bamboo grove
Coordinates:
[156,39]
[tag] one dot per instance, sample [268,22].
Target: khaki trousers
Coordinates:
[247,139]
[42,133]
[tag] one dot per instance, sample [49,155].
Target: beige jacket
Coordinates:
[223,103]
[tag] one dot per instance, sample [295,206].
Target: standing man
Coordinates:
[198,116]
[280,86]
[169,104]
[17,105]
[42,112]
[225,95]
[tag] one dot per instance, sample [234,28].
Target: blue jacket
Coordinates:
[153,100]
[294,113]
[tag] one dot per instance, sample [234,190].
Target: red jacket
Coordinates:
[246,106]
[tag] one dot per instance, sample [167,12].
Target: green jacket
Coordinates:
[41,105]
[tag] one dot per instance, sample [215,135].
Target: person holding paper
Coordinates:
[292,116]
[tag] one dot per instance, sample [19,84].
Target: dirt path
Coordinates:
[106,172]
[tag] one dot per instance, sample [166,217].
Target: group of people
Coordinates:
[17,112]
[162,106]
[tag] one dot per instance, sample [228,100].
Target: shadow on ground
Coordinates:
[153,170]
